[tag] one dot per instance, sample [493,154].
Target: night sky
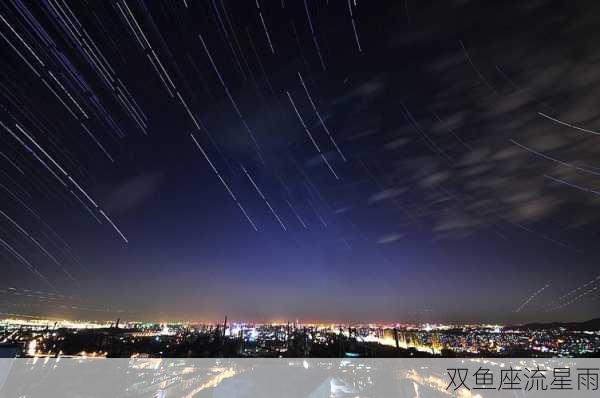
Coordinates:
[306,159]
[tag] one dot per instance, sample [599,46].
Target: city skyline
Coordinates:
[400,161]
[43,338]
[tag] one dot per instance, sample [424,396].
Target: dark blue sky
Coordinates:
[444,171]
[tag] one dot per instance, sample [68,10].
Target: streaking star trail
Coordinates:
[343,161]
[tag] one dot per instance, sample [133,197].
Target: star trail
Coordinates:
[332,160]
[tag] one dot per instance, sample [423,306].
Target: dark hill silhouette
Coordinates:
[592,324]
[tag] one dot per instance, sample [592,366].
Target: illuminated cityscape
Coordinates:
[51,338]
[297,180]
